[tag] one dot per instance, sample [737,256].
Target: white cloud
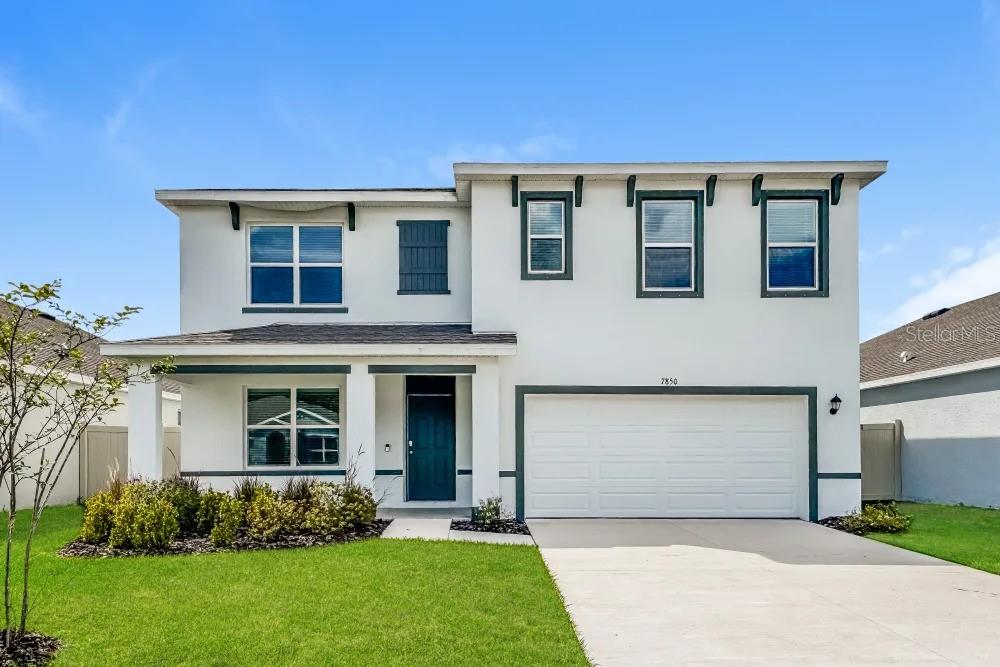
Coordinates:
[967,275]
[538,147]
[116,120]
[16,110]
[905,235]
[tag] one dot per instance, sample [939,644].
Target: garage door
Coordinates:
[666,456]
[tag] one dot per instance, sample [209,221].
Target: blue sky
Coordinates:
[99,105]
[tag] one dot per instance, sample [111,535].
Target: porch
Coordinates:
[421,427]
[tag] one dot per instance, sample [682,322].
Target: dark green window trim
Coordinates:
[567,199]
[294,309]
[392,472]
[418,369]
[289,472]
[696,196]
[520,391]
[822,198]
[838,475]
[260,368]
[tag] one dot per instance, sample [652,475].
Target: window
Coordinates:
[794,239]
[546,235]
[423,256]
[669,243]
[300,264]
[276,433]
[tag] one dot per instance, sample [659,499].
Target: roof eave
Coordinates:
[152,351]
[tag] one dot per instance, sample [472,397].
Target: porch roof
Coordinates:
[323,339]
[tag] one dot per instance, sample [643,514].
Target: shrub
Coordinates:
[208,510]
[298,488]
[98,517]
[265,514]
[247,487]
[490,512]
[325,514]
[359,505]
[184,493]
[876,518]
[143,519]
[228,515]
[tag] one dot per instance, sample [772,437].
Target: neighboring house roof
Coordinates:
[91,348]
[960,336]
[284,334]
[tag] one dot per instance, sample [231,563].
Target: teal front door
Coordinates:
[430,433]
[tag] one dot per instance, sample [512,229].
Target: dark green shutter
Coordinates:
[423,256]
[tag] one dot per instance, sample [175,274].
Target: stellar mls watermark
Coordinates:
[960,334]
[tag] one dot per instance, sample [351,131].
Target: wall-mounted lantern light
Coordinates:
[388,447]
[835,404]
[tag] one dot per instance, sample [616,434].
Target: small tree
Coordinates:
[50,392]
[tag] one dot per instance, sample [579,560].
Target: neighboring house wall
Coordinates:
[593,330]
[214,268]
[67,489]
[951,435]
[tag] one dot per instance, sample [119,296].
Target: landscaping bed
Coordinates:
[78,548]
[874,517]
[30,649]
[506,526]
[177,516]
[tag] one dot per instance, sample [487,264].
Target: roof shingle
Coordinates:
[334,334]
[965,333]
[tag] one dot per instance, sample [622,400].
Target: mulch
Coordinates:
[837,523]
[507,526]
[31,649]
[202,545]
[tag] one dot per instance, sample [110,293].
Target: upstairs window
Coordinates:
[423,256]
[669,243]
[794,261]
[277,435]
[546,236]
[301,264]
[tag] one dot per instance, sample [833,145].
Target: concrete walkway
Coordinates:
[440,529]
[645,592]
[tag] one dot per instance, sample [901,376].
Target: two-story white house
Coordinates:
[609,340]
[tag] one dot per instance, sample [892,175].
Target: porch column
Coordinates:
[485,431]
[145,430]
[360,413]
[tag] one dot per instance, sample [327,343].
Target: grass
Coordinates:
[386,602]
[966,535]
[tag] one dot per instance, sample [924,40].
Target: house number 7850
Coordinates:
[669,381]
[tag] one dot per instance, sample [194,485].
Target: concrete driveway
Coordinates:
[687,591]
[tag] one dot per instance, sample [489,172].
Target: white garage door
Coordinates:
[666,456]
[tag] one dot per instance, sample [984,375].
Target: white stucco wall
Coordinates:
[592,330]
[950,448]
[214,268]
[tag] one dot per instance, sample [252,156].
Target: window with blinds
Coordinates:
[423,256]
[546,235]
[793,245]
[300,264]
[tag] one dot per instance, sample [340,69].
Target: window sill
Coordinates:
[546,276]
[294,309]
[413,291]
[785,294]
[670,294]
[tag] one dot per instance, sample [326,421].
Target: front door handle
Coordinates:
[409,443]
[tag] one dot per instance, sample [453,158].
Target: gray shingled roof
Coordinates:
[42,321]
[278,334]
[965,333]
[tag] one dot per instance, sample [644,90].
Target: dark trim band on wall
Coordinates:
[291,472]
[294,309]
[508,473]
[218,369]
[838,475]
[417,369]
[463,471]
[520,391]
[697,290]
[822,198]
[393,472]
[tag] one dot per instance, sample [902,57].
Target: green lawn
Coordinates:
[966,535]
[385,602]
